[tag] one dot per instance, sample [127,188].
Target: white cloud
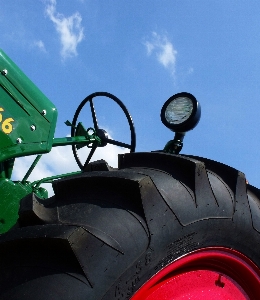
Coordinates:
[163,49]
[69,29]
[150,47]
[61,160]
[39,44]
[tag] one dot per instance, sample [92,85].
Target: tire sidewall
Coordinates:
[205,234]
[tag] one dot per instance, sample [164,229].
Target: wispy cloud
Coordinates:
[39,44]
[163,49]
[70,29]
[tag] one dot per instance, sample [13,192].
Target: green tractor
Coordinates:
[159,226]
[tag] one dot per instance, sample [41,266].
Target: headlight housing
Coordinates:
[181,112]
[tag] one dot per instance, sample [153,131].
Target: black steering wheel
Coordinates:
[101,133]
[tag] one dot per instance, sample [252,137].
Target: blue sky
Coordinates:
[143,52]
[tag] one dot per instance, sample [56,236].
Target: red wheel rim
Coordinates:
[211,273]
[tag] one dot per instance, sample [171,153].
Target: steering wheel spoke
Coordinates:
[93,114]
[117,143]
[93,149]
[101,133]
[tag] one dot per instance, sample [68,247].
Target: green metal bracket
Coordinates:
[174,146]
[28,173]
[36,184]
[11,194]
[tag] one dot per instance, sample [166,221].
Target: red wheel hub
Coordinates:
[211,273]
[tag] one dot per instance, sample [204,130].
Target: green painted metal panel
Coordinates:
[27,117]
[11,195]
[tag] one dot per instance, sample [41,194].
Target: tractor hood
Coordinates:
[27,117]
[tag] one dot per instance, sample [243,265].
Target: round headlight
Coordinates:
[181,112]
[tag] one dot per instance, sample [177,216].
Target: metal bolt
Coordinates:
[218,282]
[33,127]
[44,112]
[18,141]
[4,72]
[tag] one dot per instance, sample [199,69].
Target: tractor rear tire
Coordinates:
[142,231]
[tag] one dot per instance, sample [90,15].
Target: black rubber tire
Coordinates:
[105,233]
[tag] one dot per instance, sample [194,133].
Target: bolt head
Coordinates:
[4,72]
[33,127]
[44,112]
[19,141]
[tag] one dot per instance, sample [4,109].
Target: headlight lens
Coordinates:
[181,112]
[178,110]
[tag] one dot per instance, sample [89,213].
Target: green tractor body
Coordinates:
[28,118]
[27,124]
